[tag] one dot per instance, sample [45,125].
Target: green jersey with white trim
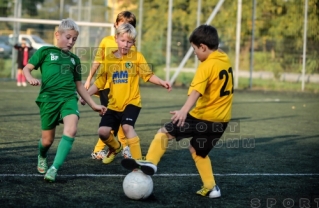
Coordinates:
[60,70]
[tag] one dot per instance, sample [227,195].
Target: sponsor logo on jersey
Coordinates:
[119,77]
[72,60]
[128,65]
[54,57]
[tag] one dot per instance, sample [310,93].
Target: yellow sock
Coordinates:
[121,137]
[205,170]
[100,145]
[112,142]
[135,147]
[157,148]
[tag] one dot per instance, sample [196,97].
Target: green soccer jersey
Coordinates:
[60,70]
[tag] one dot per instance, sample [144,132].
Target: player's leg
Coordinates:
[23,79]
[69,114]
[44,145]
[66,142]
[108,137]
[205,170]
[200,145]
[19,75]
[157,148]
[129,117]
[133,148]
[121,137]
[98,151]
[49,113]
[154,154]
[108,127]
[126,152]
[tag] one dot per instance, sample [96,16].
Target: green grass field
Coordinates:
[267,157]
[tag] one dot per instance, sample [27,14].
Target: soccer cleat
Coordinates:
[126,153]
[98,155]
[51,174]
[111,154]
[213,193]
[147,167]
[42,164]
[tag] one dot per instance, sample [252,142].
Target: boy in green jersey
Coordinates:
[57,100]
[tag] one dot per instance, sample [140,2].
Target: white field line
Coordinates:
[165,175]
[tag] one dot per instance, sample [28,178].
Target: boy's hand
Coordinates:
[179,117]
[82,101]
[34,82]
[99,108]
[166,84]
[87,83]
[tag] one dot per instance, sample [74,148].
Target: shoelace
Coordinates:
[42,161]
[203,191]
[53,170]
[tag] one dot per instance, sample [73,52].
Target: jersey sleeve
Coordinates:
[38,57]
[199,81]
[143,68]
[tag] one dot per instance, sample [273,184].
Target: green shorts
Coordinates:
[52,114]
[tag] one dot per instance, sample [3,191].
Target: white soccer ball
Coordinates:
[137,185]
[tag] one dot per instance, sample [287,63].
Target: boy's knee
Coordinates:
[104,133]
[191,149]
[164,131]
[70,133]
[127,128]
[47,142]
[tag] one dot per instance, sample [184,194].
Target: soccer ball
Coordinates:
[137,185]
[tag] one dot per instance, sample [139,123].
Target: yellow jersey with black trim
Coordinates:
[123,76]
[107,46]
[214,81]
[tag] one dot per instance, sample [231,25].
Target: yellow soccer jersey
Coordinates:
[123,75]
[107,46]
[214,81]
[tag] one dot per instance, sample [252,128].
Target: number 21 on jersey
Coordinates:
[225,75]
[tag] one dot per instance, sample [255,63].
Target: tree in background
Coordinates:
[278,28]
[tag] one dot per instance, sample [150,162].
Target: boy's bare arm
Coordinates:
[92,72]
[86,96]
[156,80]
[180,115]
[27,73]
[191,100]
[92,90]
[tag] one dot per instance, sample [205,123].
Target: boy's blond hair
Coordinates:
[68,24]
[128,29]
